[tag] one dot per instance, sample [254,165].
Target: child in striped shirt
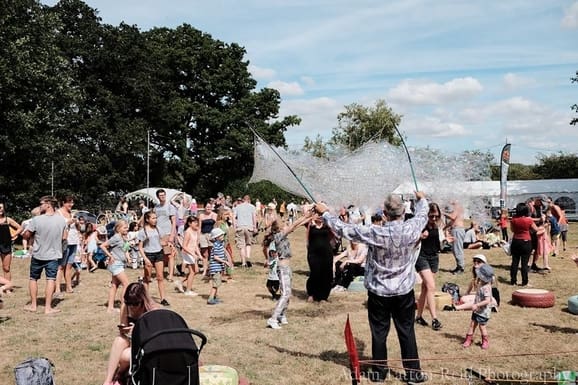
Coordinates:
[217,260]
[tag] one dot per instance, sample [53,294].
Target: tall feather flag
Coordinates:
[505,165]
[352,351]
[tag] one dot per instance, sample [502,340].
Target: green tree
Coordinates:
[36,98]
[360,124]
[316,147]
[560,166]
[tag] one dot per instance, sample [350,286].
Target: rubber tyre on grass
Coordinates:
[537,298]
[573,304]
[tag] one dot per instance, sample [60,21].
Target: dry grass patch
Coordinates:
[311,348]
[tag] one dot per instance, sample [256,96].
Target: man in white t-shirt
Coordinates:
[245,225]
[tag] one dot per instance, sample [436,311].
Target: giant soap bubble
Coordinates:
[365,176]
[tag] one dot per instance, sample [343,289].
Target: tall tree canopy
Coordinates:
[84,96]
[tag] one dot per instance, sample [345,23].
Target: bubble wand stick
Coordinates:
[285,163]
[408,157]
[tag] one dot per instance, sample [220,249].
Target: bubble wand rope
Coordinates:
[408,156]
[285,163]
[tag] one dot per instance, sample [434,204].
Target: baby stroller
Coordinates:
[163,350]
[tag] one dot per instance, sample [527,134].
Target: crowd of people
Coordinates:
[176,241]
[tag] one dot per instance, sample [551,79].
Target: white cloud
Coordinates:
[434,127]
[570,19]
[512,81]
[261,73]
[286,89]
[318,116]
[308,81]
[419,92]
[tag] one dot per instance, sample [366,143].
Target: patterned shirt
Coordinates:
[484,292]
[392,250]
[218,251]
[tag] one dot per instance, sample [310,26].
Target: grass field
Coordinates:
[525,343]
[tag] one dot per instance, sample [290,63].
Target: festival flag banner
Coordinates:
[352,351]
[505,165]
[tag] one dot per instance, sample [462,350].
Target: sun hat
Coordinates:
[485,273]
[481,257]
[216,233]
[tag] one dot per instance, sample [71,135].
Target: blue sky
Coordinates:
[465,75]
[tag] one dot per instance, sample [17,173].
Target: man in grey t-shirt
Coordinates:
[167,225]
[245,224]
[48,230]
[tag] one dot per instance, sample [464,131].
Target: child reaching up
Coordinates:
[481,309]
[217,259]
[283,247]
[271,261]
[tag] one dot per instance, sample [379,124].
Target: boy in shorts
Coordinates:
[217,261]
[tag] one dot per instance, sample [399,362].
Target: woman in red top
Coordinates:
[521,247]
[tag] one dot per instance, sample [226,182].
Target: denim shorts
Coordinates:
[116,268]
[37,265]
[68,255]
[479,319]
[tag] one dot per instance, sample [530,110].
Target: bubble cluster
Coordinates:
[365,176]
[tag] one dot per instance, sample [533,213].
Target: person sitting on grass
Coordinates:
[217,260]
[136,302]
[467,300]
[353,266]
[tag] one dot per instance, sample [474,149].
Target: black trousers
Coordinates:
[521,251]
[401,309]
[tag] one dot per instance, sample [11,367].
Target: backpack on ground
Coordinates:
[35,371]
[163,350]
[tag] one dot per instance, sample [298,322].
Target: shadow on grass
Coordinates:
[501,267]
[301,272]
[339,358]
[556,329]
[5,319]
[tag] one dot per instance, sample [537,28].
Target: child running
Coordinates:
[191,254]
[481,309]
[116,249]
[283,248]
[218,258]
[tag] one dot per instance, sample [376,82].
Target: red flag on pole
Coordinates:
[352,351]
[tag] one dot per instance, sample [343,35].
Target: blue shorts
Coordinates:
[481,320]
[68,255]
[37,265]
[116,267]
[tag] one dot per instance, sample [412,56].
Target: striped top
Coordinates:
[218,251]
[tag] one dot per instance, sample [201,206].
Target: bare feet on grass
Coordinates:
[30,308]
[51,311]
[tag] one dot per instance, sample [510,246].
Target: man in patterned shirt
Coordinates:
[389,279]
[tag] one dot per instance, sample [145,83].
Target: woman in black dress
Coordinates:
[320,260]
